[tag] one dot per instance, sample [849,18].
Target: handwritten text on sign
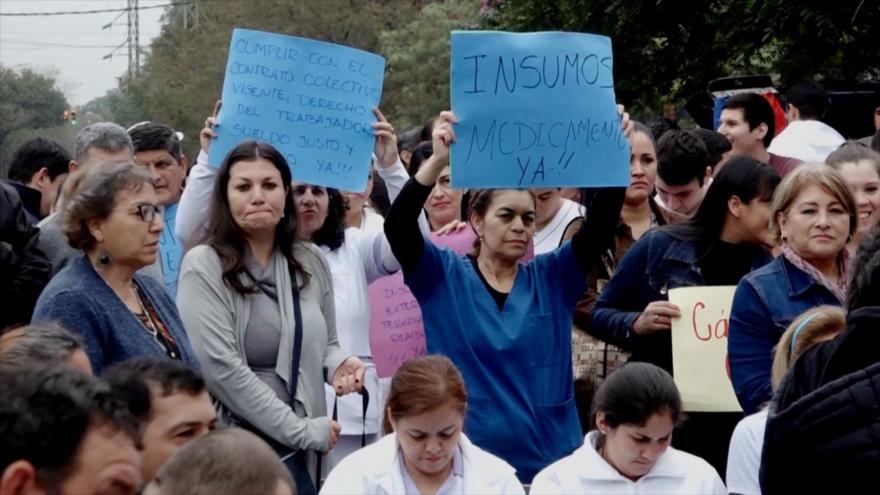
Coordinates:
[311,100]
[699,348]
[396,330]
[535,110]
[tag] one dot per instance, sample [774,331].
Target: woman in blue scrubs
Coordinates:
[505,324]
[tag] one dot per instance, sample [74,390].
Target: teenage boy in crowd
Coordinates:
[36,171]
[806,137]
[683,171]
[747,122]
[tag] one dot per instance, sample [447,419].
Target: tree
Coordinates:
[28,100]
[667,49]
[417,72]
[184,69]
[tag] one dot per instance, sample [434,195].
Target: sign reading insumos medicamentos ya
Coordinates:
[535,110]
[312,100]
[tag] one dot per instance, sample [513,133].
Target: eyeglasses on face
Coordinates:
[147,211]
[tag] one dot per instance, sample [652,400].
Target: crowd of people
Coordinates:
[169,327]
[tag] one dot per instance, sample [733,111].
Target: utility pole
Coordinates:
[129,38]
[137,38]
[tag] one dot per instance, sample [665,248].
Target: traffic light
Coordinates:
[66,115]
[73,118]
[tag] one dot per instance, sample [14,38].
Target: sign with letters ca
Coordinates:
[311,100]
[535,110]
[699,348]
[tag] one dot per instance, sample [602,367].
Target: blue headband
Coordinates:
[800,327]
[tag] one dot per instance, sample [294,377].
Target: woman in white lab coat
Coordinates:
[425,450]
[634,413]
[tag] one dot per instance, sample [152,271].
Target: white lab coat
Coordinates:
[585,471]
[376,469]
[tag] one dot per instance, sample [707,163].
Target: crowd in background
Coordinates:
[179,326]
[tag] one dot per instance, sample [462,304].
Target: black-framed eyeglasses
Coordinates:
[148,211]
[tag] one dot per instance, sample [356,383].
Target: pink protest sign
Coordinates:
[396,330]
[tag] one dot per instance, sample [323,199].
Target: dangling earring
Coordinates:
[104,257]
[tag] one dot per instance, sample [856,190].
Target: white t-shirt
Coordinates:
[744,456]
[550,237]
[806,140]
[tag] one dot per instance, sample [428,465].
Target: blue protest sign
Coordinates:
[535,110]
[310,99]
[170,251]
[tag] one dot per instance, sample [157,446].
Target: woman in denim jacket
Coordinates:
[724,240]
[814,216]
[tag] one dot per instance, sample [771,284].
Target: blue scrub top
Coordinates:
[516,362]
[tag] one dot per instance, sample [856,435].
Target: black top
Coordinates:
[725,263]
[408,245]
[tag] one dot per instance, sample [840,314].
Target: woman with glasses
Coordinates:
[116,220]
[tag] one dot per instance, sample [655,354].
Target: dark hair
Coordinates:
[661,126]
[635,392]
[96,198]
[864,288]
[332,232]
[379,195]
[809,98]
[428,129]
[640,127]
[681,158]
[479,204]
[35,154]
[756,111]
[224,234]
[46,414]
[407,141]
[423,384]
[46,345]
[716,144]
[228,461]
[131,381]
[420,153]
[149,136]
[743,177]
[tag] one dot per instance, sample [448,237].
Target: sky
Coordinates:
[72,47]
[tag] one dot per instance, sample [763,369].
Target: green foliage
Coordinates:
[417,74]
[672,49]
[28,100]
[183,73]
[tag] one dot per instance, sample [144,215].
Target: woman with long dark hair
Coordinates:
[258,305]
[355,257]
[725,240]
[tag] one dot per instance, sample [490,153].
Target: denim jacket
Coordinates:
[765,303]
[656,263]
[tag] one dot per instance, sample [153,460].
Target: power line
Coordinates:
[56,45]
[96,11]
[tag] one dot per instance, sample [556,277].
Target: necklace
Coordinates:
[146,319]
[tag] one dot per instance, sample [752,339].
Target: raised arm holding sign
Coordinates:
[310,99]
[535,110]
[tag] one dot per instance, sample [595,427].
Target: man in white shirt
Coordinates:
[553,215]
[806,137]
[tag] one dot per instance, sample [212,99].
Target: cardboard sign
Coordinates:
[699,348]
[170,252]
[396,330]
[535,110]
[310,99]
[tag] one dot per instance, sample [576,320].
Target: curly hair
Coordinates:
[96,198]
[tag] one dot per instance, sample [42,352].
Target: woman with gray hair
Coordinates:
[115,219]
